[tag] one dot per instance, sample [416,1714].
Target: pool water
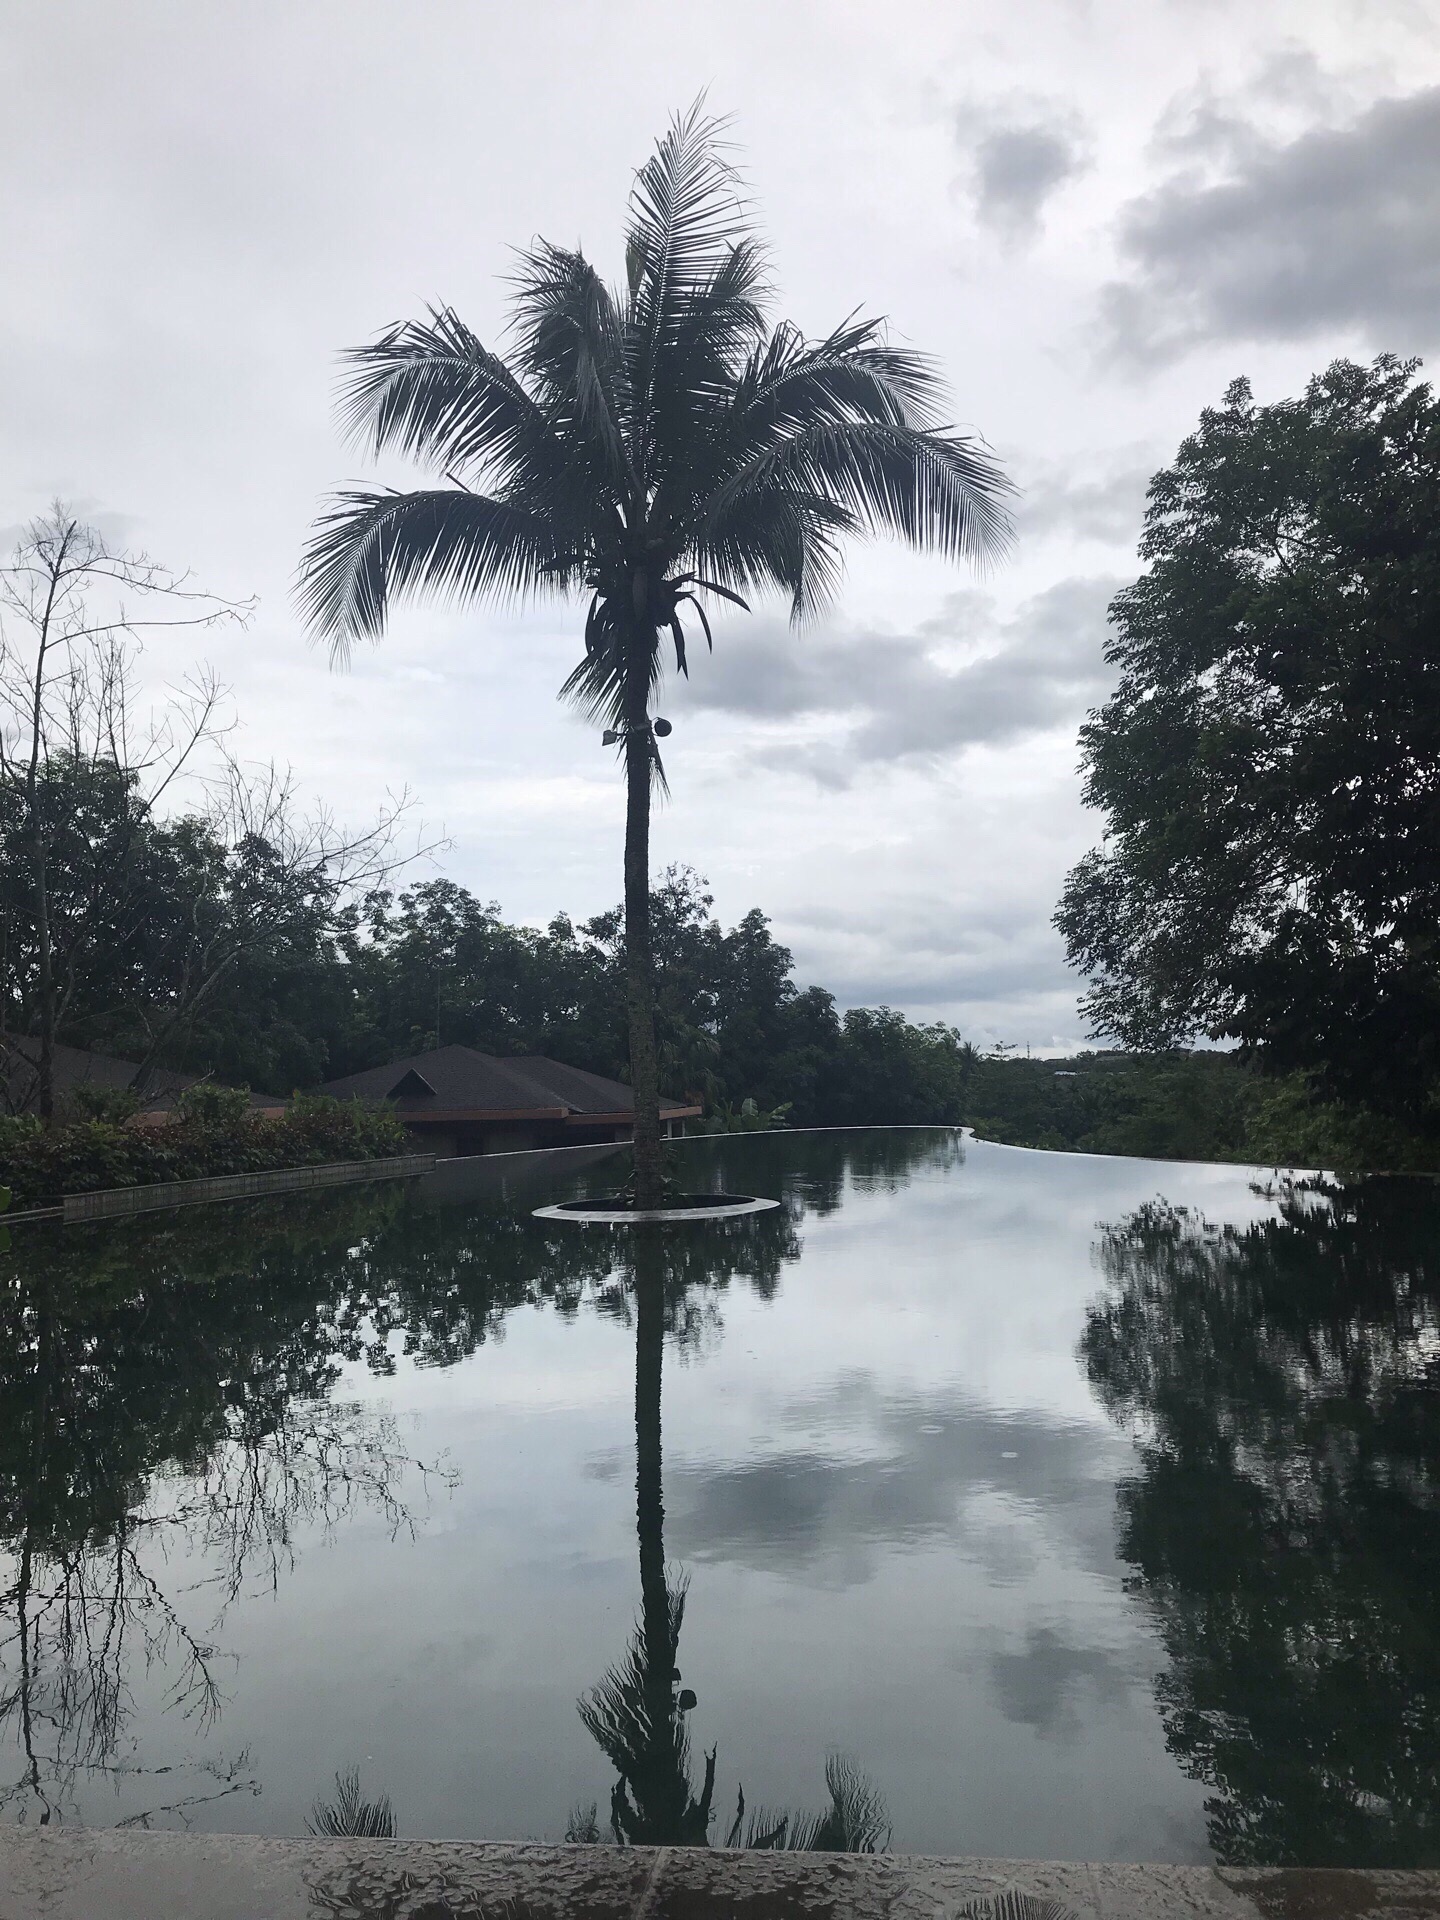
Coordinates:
[1068,1507]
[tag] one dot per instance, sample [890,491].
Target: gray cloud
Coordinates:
[1289,89]
[1338,227]
[1108,506]
[827,1517]
[1040,1687]
[890,699]
[1019,156]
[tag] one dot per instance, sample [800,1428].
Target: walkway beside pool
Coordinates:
[135,1875]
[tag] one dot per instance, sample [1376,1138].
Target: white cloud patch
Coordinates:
[1336,228]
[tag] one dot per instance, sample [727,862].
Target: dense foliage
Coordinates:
[337,986]
[215,1131]
[161,926]
[732,1024]
[1269,765]
[1182,1106]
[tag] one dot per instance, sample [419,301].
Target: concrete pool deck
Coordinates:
[108,1875]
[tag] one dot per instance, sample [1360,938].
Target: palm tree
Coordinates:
[649,444]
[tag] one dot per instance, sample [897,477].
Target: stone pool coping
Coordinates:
[730,1206]
[111,1875]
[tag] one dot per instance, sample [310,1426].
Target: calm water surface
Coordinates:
[1089,1505]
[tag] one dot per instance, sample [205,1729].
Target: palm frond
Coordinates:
[790,387]
[371,547]
[852,374]
[648,1744]
[432,390]
[348,1817]
[774,534]
[571,342]
[1015,1905]
[714,335]
[721,320]
[857,1819]
[936,491]
[687,220]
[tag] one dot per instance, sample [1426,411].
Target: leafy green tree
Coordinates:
[437,966]
[1269,765]
[76,763]
[208,941]
[647,445]
[889,1072]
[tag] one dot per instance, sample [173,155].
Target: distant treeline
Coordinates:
[260,966]
[248,956]
[1180,1106]
[314,981]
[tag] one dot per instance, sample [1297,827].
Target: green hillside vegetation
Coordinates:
[1181,1105]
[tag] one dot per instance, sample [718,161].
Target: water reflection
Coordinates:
[149,1409]
[638,1713]
[873,1469]
[166,1405]
[819,1166]
[171,1431]
[1284,1385]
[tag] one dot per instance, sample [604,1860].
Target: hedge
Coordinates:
[214,1131]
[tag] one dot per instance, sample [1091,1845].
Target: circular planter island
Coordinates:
[613,1210]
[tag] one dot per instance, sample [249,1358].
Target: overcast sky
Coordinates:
[1095,213]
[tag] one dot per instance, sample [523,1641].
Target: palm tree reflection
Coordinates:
[638,1712]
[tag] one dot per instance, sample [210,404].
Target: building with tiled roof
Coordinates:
[76,1068]
[458,1101]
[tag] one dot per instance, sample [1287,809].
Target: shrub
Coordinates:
[89,1102]
[214,1131]
[208,1105]
[746,1118]
[321,1128]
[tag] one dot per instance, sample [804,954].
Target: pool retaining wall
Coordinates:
[137,1875]
[113,1201]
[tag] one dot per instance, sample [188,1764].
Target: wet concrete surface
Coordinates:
[110,1875]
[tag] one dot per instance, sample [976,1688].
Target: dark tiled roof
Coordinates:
[467,1081]
[77,1067]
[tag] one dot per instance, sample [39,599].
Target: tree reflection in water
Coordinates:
[167,1392]
[638,1713]
[179,1399]
[168,1384]
[1284,1384]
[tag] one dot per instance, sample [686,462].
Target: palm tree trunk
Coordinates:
[639,957]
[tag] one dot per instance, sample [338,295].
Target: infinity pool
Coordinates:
[1089,1507]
